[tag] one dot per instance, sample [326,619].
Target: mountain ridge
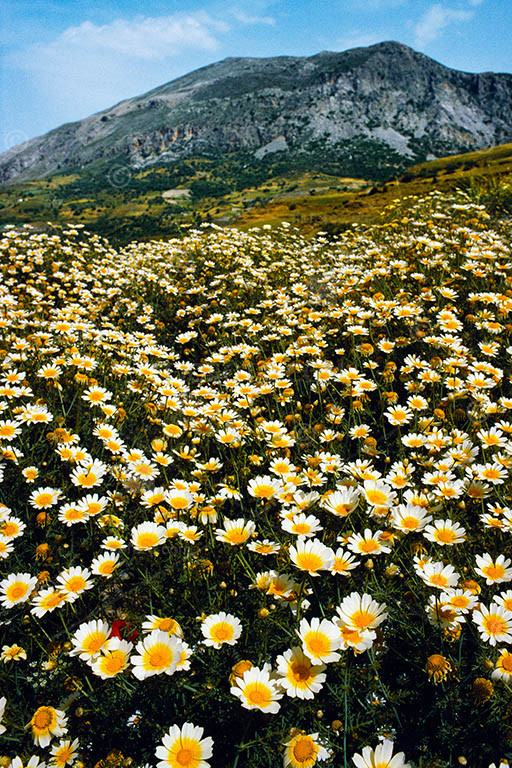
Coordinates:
[387,93]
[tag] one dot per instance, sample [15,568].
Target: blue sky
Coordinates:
[63,60]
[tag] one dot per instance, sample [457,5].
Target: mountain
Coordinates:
[386,97]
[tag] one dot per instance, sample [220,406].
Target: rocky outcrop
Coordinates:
[386,92]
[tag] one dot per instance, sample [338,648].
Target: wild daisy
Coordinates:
[298,676]
[16,588]
[64,753]
[184,748]
[158,654]
[12,653]
[146,536]
[409,517]
[445,532]
[44,497]
[263,487]
[221,629]
[256,690]
[113,659]
[11,527]
[89,639]
[320,640]
[361,611]
[264,547]
[343,563]
[89,475]
[380,757]
[494,623]
[368,544]
[494,571]
[165,624]
[302,525]
[105,565]
[438,575]
[46,723]
[378,494]
[503,666]
[312,556]
[235,531]
[73,581]
[341,502]
[47,600]
[304,750]
[72,514]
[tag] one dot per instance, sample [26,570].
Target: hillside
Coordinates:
[385,102]
[165,200]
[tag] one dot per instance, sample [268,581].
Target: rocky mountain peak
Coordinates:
[387,93]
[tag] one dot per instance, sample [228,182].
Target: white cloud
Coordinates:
[246,18]
[435,20]
[89,67]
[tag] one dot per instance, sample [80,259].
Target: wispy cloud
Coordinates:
[358,39]
[376,5]
[246,18]
[434,22]
[90,66]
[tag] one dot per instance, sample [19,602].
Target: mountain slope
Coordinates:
[386,93]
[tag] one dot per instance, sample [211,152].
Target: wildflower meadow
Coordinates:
[256,504]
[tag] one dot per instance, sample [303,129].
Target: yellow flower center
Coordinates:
[410,523]
[494,572]
[362,619]
[53,600]
[222,632]
[445,536]
[114,662]
[258,694]
[147,540]
[495,625]
[107,567]
[264,491]
[43,719]
[44,499]
[144,469]
[179,502]
[10,529]
[369,545]
[87,479]
[376,497]
[75,584]
[506,663]
[184,757]
[309,561]
[301,528]
[16,591]
[166,625]
[237,536]
[438,580]
[158,657]
[94,642]
[317,644]
[304,750]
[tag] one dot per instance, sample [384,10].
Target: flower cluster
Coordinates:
[257,487]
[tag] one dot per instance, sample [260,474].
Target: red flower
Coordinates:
[124,630]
